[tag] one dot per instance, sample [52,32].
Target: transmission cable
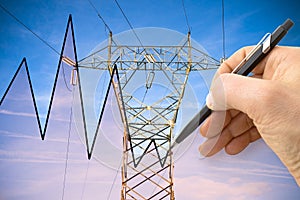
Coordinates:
[105,24]
[64,77]
[36,35]
[186,18]
[223,30]
[114,181]
[85,180]
[128,22]
[68,147]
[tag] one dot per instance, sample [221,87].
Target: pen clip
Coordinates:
[265,41]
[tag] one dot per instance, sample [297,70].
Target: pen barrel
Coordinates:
[194,123]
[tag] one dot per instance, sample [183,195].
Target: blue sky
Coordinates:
[33,169]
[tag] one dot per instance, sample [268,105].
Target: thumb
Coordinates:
[232,91]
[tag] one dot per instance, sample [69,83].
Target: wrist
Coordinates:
[291,159]
[294,168]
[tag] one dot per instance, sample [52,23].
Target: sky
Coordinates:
[34,169]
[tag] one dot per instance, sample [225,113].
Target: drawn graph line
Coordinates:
[114,78]
[136,160]
[24,63]
[114,72]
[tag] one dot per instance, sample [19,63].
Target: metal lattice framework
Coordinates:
[149,88]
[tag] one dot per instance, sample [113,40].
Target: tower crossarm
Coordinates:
[134,58]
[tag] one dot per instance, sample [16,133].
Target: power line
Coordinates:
[114,181]
[105,24]
[64,77]
[85,180]
[223,29]
[128,22]
[68,148]
[36,35]
[186,18]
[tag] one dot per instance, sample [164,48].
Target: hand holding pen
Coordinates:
[266,105]
[243,68]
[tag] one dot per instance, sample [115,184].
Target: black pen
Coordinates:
[244,68]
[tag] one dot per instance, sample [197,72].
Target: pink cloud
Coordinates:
[203,188]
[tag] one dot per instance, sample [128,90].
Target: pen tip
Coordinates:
[173,145]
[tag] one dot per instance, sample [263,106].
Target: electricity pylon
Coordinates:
[149,89]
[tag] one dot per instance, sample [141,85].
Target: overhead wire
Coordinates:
[101,18]
[114,181]
[85,180]
[68,148]
[223,29]
[30,30]
[64,77]
[128,22]
[186,17]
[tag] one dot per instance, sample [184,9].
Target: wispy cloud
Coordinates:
[275,173]
[234,188]
[23,114]
[243,166]
[38,157]
[27,136]
[58,117]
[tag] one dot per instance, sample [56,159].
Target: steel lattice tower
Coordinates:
[149,115]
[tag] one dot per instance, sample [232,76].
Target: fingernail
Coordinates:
[209,101]
[203,150]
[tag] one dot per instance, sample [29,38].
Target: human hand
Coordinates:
[266,105]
